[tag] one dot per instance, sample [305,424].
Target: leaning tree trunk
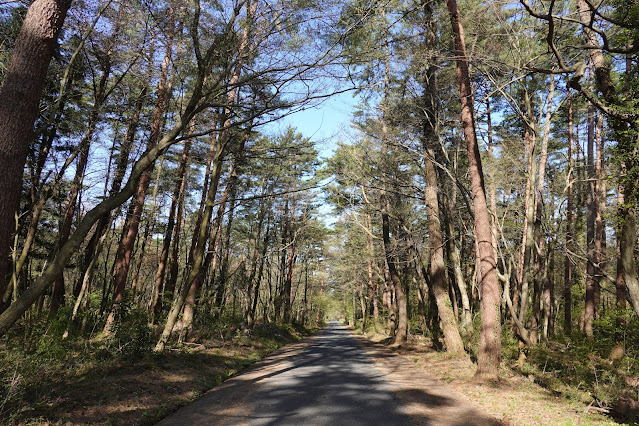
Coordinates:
[19,100]
[178,193]
[489,356]
[125,251]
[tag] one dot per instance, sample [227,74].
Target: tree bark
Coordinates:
[19,100]
[489,356]
[400,334]
[591,204]
[526,253]
[438,281]
[540,266]
[130,232]
[178,194]
[569,225]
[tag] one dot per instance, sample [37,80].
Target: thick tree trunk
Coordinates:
[452,338]
[489,356]
[438,280]
[19,100]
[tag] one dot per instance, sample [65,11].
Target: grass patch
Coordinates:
[121,381]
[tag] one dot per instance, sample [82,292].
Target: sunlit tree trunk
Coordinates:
[130,232]
[527,243]
[569,225]
[489,356]
[540,266]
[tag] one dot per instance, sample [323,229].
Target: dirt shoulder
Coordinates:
[516,400]
[424,398]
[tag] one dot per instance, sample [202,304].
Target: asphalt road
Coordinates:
[327,380]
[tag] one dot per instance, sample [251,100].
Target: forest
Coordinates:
[484,198]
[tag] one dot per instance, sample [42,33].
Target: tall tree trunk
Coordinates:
[569,226]
[540,266]
[130,232]
[591,204]
[438,281]
[19,101]
[629,153]
[526,254]
[220,147]
[178,194]
[400,335]
[489,356]
[600,225]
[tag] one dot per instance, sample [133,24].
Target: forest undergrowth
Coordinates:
[91,380]
[568,380]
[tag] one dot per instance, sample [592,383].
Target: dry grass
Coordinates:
[515,400]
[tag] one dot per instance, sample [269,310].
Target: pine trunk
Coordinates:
[489,356]
[19,101]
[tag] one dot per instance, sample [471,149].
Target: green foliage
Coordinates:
[581,368]
[133,336]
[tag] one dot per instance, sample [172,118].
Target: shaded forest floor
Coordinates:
[519,399]
[99,383]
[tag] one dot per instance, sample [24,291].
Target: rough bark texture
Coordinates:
[19,98]
[452,338]
[438,282]
[489,356]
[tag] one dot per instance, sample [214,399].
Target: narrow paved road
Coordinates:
[328,380]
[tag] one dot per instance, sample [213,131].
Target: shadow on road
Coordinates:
[329,381]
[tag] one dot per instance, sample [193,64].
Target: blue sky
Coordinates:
[325,124]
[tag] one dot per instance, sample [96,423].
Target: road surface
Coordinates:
[330,379]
